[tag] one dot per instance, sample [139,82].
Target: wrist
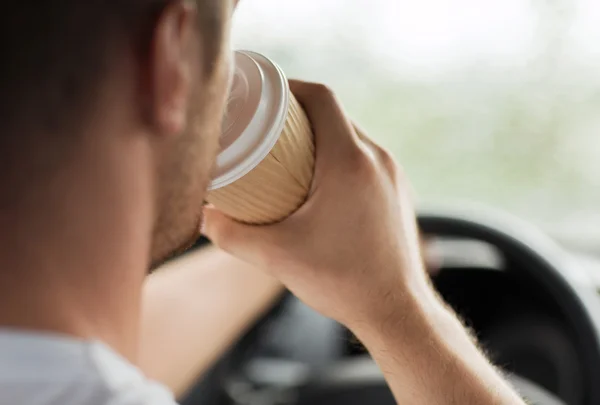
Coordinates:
[406,310]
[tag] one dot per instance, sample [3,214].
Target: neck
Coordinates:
[73,255]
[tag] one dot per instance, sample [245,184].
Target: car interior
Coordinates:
[481,101]
[518,292]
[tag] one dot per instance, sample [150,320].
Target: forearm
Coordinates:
[428,357]
[194,308]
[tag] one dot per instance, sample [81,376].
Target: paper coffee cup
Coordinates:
[265,167]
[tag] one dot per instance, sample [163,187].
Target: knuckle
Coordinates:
[386,156]
[363,163]
[323,93]
[373,163]
[388,161]
[311,92]
[380,154]
[312,88]
[322,90]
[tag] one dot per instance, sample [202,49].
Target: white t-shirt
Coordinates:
[40,369]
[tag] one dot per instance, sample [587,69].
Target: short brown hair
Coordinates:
[55,54]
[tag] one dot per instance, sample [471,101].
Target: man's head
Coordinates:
[119,76]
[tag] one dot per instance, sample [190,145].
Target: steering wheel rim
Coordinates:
[547,263]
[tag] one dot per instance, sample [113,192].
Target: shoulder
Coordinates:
[120,383]
[57,370]
[146,394]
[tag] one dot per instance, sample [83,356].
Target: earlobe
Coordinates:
[172,63]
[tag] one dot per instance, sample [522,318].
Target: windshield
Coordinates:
[487,101]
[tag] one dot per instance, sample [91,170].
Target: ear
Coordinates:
[174,59]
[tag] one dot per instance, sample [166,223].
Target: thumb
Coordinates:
[246,242]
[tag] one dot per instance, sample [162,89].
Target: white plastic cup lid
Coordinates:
[256,113]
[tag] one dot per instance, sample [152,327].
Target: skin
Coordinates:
[216,297]
[132,196]
[128,199]
[361,264]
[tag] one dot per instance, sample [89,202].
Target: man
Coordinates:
[110,118]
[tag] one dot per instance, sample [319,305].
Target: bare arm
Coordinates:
[194,308]
[428,357]
[353,253]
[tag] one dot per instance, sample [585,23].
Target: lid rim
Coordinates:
[278,85]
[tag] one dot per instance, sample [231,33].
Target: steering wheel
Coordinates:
[359,381]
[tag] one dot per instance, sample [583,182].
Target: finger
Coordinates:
[243,241]
[332,129]
[385,157]
[362,135]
